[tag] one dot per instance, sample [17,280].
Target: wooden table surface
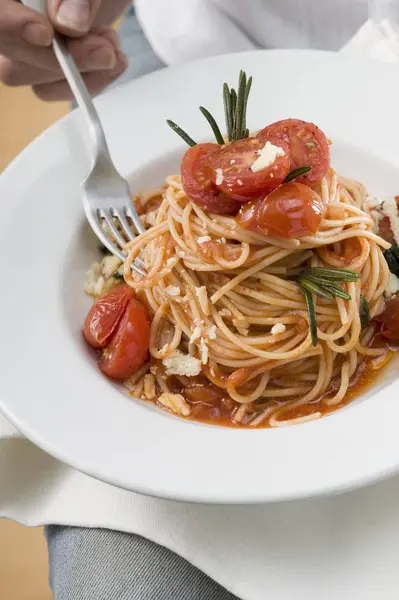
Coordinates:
[23,551]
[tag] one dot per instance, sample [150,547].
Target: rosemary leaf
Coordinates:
[297,173]
[227,111]
[233,96]
[312,315]
[244,124]
[182,133]
[395,250]
[337,291]
[328,285]
[239,122]
[342,275]
[214,126]
[393,262]
[118,276]
[364,312]
[314,288]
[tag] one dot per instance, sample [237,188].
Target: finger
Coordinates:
[17,23]
[73,17]
[93,52]
[95,82]
[14,73]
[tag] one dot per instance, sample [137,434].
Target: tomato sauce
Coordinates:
[213,406]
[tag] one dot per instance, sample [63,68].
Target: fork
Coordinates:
[105,193]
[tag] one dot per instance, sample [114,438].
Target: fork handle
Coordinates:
[76,83]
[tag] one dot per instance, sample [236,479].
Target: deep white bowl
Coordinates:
[50,387]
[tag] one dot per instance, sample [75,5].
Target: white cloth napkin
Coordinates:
[340,547]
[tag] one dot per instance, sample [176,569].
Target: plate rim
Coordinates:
[209,498]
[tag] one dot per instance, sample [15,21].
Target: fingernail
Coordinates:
[37,34]
[74,14]
[102,58]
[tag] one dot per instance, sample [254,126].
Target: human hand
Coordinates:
[26,56]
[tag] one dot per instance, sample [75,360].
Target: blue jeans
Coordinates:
[99,564]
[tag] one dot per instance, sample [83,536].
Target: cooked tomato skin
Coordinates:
[128,349]
[293,210]
[389,320]
[197,181]
[308,145]
[104,316]
[238,180]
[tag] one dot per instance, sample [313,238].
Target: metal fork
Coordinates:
[105,193]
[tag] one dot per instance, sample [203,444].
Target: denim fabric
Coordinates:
[99,564]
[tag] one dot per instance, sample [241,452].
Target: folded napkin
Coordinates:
[339,547]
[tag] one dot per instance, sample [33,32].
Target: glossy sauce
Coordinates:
[212,405]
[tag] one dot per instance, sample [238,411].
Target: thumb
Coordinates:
[73,17]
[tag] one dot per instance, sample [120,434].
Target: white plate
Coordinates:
[50,387]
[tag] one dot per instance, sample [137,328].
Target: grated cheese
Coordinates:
[266,157]
[211,332]
[393,285]
[204,351]
[195,335]
[239,182]
[176,403]
[390,210]
[149,390]
[172,290]
[278,328]
[203,239]
[110,265]
[182,364]
[219,176]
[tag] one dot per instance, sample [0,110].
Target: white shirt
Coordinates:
[181,30]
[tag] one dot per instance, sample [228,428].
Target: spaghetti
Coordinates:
[226,297]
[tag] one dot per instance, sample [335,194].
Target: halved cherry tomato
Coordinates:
[128,349]
[197,181]
[389,320]
[293,210]
[232,174]
[308,146]
[105,315]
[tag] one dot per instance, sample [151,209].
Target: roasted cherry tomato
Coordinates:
[233,164]
[128,349]
[293,210]
[105,315]
[308,146]
[197,182]
[389,320]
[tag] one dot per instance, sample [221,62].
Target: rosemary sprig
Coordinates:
[312,315]
[297,173]
[364,312]
[235,111]
[182,133]
[227,111]
[239,122]
[214,126]
[323,282]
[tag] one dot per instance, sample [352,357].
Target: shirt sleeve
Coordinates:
[184,30]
